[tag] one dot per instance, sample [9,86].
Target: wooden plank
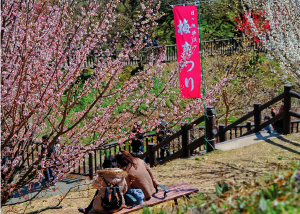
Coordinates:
[168,140]
[196,143]
[175,191]
[174,156]
[146,154]
[294,94]
[249,132]
[242,119]
[271,121]
[294,114]
[274,100]
[196,122]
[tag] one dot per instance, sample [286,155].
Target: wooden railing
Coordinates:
[191,137]
[209,48]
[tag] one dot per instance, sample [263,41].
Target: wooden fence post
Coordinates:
[210,132]
[222,134]
[152,156]
[248,126]
[257,117]
[147,142]
[287,106]
[185,140]
[91,174]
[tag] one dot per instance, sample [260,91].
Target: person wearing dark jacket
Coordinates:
[137,142]
[278,125]
[163,133]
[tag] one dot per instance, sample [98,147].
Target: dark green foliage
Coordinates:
[182,104]
[146,210]
[220,189]
[217,20]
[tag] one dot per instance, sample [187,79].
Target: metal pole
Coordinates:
[202,75]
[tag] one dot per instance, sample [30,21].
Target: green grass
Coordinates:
[276,193]
[260,61]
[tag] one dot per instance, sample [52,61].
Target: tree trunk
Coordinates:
[227,106]
[4,196]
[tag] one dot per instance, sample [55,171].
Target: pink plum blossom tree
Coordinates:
[44,47]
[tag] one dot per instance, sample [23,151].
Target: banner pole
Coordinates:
[202,76]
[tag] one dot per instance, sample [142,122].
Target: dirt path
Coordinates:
[201,171]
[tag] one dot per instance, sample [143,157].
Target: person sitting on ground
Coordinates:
[110,175]
[137,143]
[139,173]
[269,128]
[278,125]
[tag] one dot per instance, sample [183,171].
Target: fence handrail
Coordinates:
[235,124]
[271,102]
[212,134]
[226,46]
[188,145]
[294,114]
[111,144]
[272,120]
[294,94]
[242,119]
[177,134]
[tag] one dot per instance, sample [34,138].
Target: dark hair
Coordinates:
[125,160]
[45,137]
[267,118]
[110,161]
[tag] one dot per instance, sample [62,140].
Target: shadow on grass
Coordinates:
[284,147]
[288,141]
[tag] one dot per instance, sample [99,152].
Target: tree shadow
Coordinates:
[35,188]
[288,141]
[284,147]
[234,167]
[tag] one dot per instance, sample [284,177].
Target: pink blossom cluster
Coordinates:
[44,47]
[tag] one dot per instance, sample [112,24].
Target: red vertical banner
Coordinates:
[187,39]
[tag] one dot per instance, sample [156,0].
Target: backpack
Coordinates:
[134,197]
[112,200]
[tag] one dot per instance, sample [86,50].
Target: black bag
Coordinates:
[112,200]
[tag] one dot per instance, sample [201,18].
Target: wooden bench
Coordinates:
[175,191]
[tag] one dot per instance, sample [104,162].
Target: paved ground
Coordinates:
[245,141]
[62,186]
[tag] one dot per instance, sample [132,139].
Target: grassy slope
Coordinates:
[259,68]
[203,172]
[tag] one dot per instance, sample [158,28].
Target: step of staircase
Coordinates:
[245,141]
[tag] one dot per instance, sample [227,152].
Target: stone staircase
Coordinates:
[245,141]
